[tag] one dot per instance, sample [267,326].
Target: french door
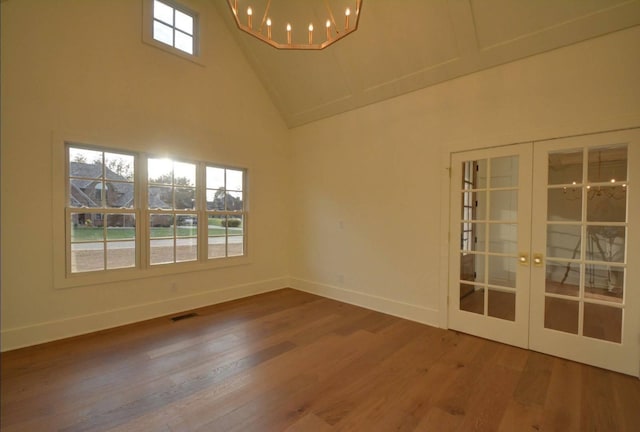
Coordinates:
[544,238]
[490,229]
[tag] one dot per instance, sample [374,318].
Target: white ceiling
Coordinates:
[406,45]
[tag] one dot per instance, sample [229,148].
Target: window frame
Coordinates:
[225,212]
[101,212]
[172,211]
[61,244]
[185,7]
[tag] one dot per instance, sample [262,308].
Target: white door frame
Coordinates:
[621,357]
[502,330]
[445,237]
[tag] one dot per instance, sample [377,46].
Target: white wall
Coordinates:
[80,68]
[360,194]
[370,185]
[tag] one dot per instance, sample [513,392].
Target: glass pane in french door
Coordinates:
[489,237]
[586,241]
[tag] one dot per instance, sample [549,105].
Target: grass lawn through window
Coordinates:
[84,233]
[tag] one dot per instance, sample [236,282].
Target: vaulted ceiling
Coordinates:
[406,45]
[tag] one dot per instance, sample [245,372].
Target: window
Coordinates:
[225,212]
[172,218]
[174,25]
[469,180]
[175,212]
[100,210]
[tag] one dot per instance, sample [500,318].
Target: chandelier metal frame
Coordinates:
[333,33]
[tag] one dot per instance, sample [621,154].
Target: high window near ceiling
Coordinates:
[172,26]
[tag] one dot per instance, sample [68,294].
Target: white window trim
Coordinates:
[63,278]
[97,210]
[184,6]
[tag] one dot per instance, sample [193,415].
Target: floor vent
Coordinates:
[183,317]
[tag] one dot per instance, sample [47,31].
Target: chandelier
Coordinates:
[281,34]
[615,189]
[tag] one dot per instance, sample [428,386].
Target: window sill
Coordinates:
[124,275]
[171,50]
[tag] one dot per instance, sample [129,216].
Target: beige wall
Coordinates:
[371,186]
[80,69]
[352,207]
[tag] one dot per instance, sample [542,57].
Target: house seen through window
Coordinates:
[181,219]
[226,210]
[172,219]
[101,211]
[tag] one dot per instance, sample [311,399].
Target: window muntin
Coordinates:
[175,26]
[117,219]
[587,229]
[172,184]
[171,196]
[100,210]
[173,238]
[225,211]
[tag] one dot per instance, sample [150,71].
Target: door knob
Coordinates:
[537,260]
[523,259]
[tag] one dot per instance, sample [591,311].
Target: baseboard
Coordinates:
[53,330]
[380,304]
[60,329]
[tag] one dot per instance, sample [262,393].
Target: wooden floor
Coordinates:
[291,361]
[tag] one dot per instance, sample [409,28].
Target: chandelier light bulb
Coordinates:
[333,30]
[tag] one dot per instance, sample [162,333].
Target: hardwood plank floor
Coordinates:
[292,361]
